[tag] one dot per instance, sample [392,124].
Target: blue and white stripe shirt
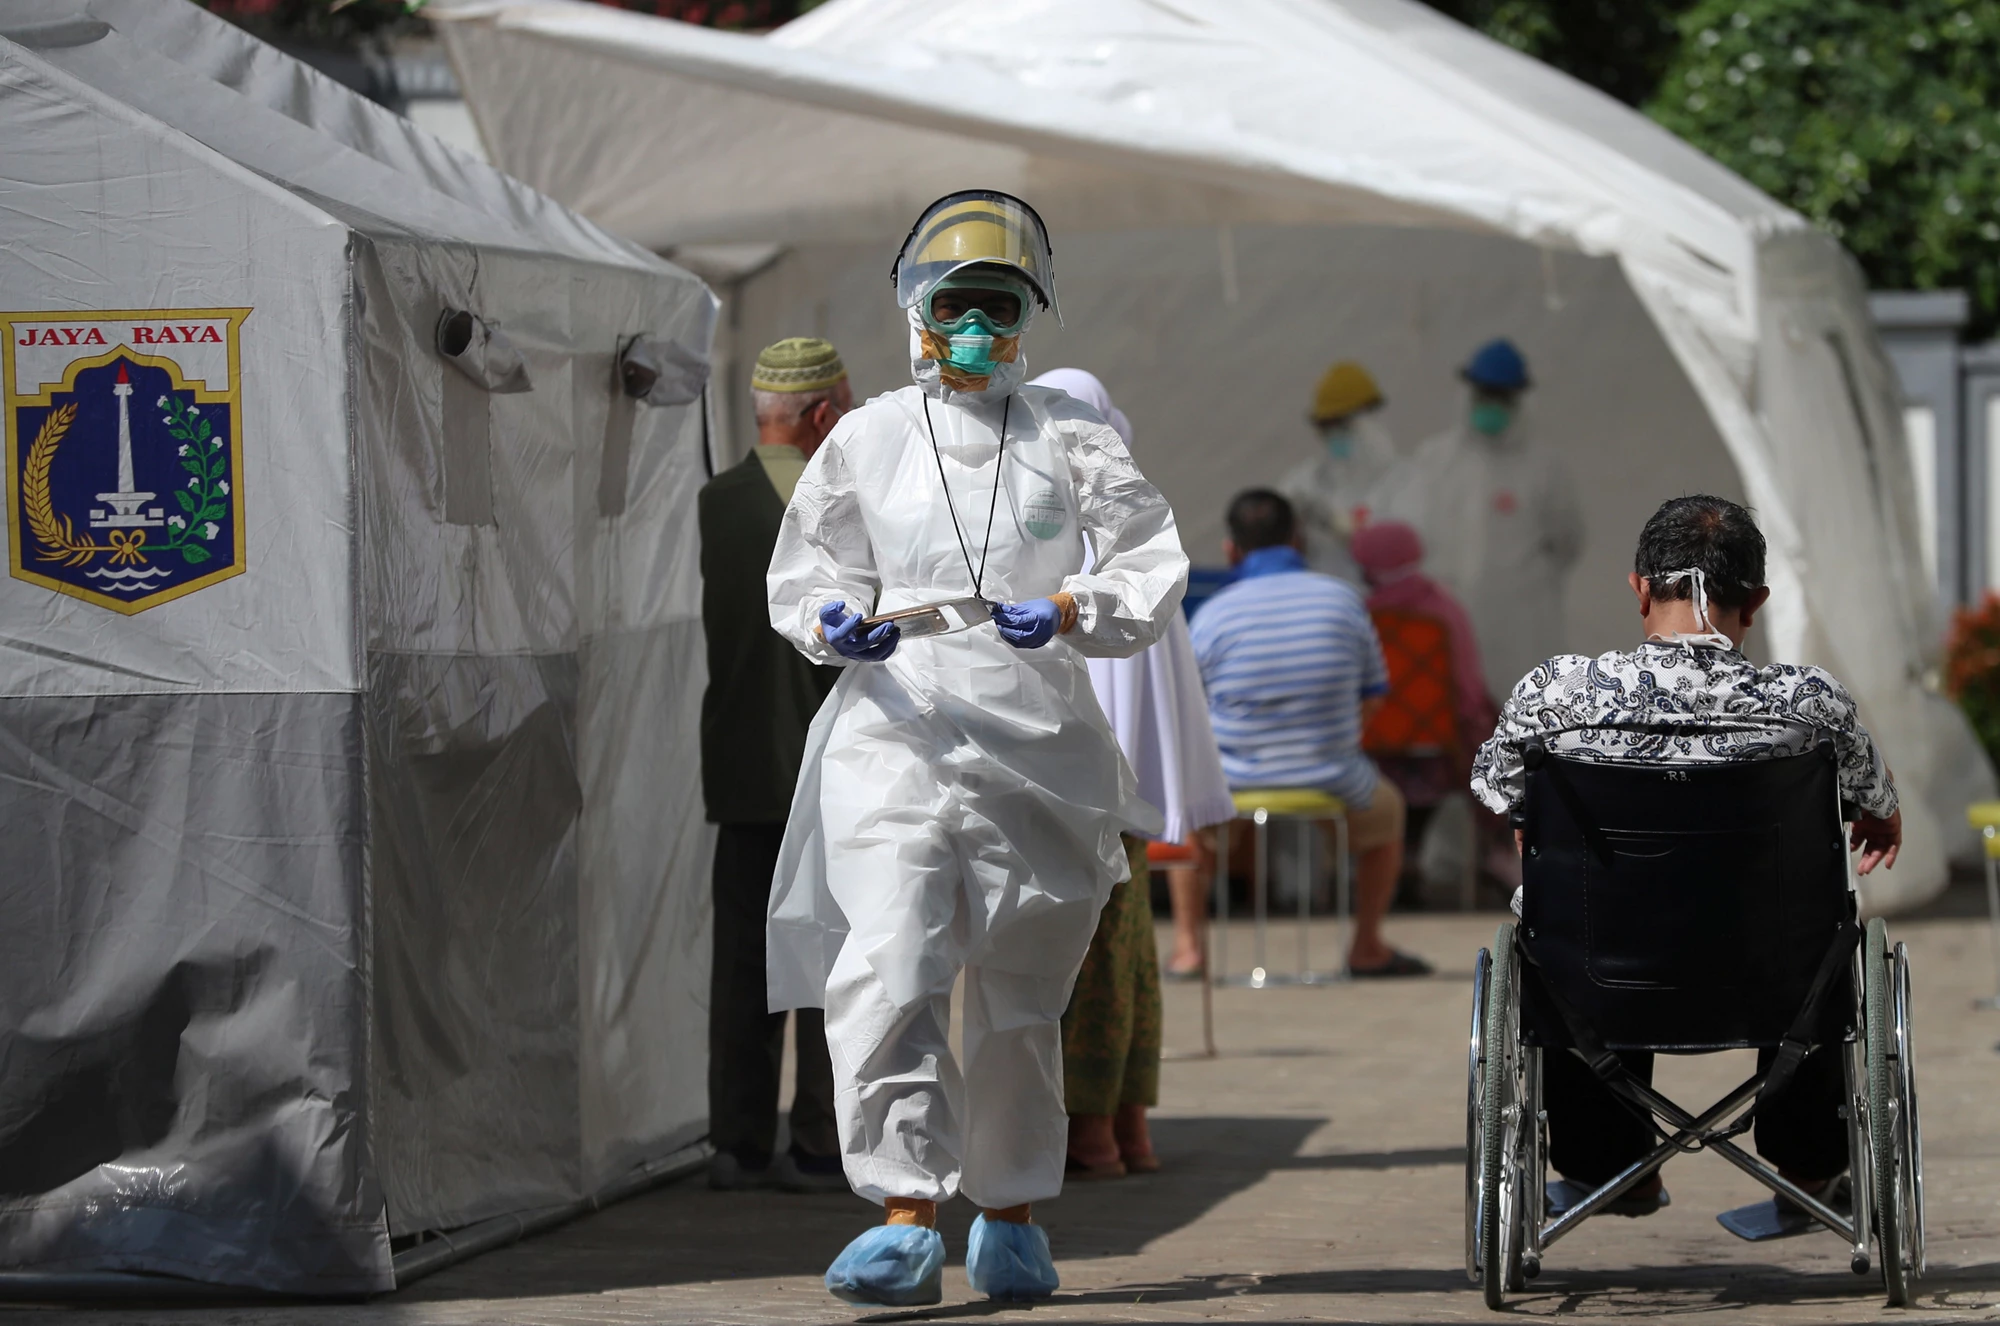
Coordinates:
[1288,656]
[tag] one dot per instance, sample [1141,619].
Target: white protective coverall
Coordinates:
[1334,494]
[960,804]
[1501,527]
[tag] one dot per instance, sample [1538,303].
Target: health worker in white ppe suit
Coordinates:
[1332,492]
[1498,516]
[962,796]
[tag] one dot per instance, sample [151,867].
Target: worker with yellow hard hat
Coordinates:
[1331,491]
[958,813]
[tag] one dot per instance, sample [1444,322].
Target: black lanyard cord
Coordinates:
[993,505]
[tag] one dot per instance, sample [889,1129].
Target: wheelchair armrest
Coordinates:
[1534,754]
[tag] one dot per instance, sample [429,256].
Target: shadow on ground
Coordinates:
[1669,1292]
[685,1233]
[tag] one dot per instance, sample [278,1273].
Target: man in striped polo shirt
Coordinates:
[1293,671]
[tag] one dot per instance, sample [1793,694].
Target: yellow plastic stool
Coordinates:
[1985,817]
[1305,806]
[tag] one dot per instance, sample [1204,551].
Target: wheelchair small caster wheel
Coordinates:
[1859,1263]
[1531,1266]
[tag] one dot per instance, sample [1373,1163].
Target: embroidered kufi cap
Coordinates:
[798,363]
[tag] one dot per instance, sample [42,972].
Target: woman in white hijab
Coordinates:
[1111,1032]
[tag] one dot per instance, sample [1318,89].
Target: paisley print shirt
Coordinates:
[1626,706]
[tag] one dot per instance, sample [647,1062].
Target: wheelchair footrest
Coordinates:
[1760,1222]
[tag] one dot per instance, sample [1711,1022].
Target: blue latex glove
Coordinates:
[844,632]
[891,1266]
[1027,625]
[1007,1261]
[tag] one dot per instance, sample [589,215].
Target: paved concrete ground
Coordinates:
[1314,1173]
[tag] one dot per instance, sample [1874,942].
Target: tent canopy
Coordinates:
[1241,191]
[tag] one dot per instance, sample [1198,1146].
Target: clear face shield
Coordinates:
[976,226]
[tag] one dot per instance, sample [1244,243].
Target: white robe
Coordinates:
[1155,700]
[1159,710]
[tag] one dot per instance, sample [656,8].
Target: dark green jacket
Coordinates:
[762,693]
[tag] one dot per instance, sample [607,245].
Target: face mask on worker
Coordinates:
[1490,418]
[1338,438]
[976,318]
[968,331]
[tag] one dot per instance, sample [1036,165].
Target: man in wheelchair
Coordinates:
[1637,877]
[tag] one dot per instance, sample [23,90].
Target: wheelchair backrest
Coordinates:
[1681,907]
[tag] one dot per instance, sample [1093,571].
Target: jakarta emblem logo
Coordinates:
[124,452]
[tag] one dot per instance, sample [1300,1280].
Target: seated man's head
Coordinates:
[1699,569]
[1259,518]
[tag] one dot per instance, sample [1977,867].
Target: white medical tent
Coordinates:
[1240,192]
[362,892]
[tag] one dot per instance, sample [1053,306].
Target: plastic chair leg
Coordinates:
[1993,925]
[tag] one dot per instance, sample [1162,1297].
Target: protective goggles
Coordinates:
[975,301]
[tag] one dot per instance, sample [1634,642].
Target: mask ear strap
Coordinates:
[1700,582]
[1701,601]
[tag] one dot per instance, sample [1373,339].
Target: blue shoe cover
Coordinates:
[891,1266]
[1008,1261]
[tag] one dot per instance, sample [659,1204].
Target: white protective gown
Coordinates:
[1333,495]
[960,805]
[1501,527]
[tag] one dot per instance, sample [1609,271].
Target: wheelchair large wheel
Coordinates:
[1503,1204]
[1895,1136]
[1911,1123]
[1475,1060]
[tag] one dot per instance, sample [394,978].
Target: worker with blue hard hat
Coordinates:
[1497,513]
[1497,366]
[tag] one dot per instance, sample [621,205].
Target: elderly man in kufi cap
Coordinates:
[762,695]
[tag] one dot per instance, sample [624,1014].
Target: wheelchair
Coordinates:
[1688,909]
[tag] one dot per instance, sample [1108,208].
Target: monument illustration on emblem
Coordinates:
[125,503]
[106,502]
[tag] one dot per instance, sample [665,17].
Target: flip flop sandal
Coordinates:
[1076,1169]
[1142,1164]
[1183,973]
[1399,964]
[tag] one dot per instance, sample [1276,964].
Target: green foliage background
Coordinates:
[1622,47]
[319,22]
[1875,118]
